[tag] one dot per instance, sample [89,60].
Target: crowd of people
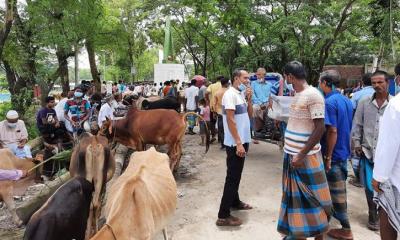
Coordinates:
[324,131]
[325,128]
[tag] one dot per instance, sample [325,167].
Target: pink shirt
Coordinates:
[205,112]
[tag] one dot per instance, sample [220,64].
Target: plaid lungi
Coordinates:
[306,201]
[336,177]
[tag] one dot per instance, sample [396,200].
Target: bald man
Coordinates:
[261,92]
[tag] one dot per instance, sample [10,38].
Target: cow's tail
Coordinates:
[184,116]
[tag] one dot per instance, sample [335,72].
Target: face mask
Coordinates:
[11,125]
[78,94]
[242,87]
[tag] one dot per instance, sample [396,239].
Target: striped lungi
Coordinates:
[306,201]
[389,200]
[337,177]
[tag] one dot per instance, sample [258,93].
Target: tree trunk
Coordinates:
[92,62]
[9,17]
[62,59]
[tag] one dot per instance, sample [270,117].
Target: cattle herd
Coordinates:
[138,204]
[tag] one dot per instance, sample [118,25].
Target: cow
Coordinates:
[164,103]
[139,102]
[92,159]
[142,200]
[9,161]
[64,215]
[157,127]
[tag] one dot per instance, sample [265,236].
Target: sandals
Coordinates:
[243,206]
[230,221]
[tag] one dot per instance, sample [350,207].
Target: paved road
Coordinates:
[260,186]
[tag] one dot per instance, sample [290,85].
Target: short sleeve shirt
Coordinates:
[105,111]
[212,90]
[49,114]
[306,106]
[234,100]
[190,94]
[77,110]
[339,114]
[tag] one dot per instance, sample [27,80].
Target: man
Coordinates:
[386,174]
[191,103]
[397,79]
[209,96]
[261,90]
[121,86]
[79,109]
[103,90]
[237,111]
[218,109]
[14,174]
[365,136]
[167,87]
[13,133]
[106,111]
[49,125]
[366,91]
[336,148]
[173,91]
[202,90]
[304,210]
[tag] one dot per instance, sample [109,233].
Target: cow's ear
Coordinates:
[107,119]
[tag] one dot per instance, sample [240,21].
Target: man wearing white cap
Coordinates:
[13,133]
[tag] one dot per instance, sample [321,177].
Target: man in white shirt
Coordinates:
[191,100]
[237,109]
[106,111]
[386,175]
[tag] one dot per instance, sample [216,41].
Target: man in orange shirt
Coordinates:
[218,109]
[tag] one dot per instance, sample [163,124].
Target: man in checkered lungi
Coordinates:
[336,148]
[306,201]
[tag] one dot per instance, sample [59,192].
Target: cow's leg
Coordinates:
[174,154]
[165,233]
[178,155]
[89,222]
[7,192]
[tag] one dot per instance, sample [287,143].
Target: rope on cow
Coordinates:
[59,157]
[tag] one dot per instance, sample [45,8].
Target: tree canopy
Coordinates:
[38,38]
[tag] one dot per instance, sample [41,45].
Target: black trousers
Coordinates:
[213,121]
[230,197]
[220,130]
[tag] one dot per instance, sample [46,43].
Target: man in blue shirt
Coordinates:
[366,91]
[336,148]
[261,91]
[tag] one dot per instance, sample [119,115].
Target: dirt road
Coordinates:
[201,189]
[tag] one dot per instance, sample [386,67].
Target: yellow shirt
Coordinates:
[212,90]
[218,100]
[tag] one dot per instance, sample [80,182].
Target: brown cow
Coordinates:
[9,161]
[92,159]
[157,127]
[142,200]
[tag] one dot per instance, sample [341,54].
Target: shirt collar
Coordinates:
[331,93]
[235,90]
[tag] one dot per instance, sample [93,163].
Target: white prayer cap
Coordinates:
[12,114]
